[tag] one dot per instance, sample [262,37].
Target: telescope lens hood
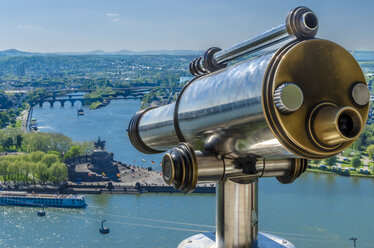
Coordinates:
[134,136]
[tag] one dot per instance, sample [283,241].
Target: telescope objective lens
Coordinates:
[168,171]
[310,20]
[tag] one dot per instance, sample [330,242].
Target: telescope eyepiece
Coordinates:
[345,125]
[334,125]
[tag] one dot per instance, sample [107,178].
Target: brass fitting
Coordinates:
[332,125]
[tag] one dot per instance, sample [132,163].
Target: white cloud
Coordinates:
[112,14]
[30,27]
[114,17]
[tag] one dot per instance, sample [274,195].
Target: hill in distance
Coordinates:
[361,56]
[15,52]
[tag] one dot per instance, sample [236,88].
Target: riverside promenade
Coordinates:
[134,180]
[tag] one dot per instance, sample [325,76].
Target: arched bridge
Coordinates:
[62,101]
[83,100]
[54,96]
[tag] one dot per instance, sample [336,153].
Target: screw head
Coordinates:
[360,94]
[288,98]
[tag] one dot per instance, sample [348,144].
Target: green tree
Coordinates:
[370,151]
[55,153]
[331,161]
[14,171]
[5,118]
[59,142]
[36,156]
[49,159]
[87,147]
[4,168]
[75,151]
[8,143]
[356,162]
[58,172]
[42,173]
[361,142]
[19,139]
[34,171]
[25,170]
[37,142]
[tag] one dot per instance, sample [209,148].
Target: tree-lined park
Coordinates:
[37,157]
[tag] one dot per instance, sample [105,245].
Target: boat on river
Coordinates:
[80,111]
[40,200]
[33,125]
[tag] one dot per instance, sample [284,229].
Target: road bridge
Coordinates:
[129,90]
[69,95]
[62,101]
[82,100]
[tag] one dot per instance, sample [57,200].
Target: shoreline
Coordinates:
[134,188]
[26,117]
[327,172]
[104,188]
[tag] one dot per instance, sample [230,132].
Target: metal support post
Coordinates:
[237,214]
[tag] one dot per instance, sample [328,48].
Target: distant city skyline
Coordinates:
[113,25]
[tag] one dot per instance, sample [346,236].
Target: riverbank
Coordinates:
[101,188]
[26,118]
[99,104]
[313,169]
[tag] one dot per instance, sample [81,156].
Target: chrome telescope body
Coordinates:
[263,117]
[307,99]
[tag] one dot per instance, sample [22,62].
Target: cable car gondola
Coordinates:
[41,213]
[103,229]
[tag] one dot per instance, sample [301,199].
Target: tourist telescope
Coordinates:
[263,117]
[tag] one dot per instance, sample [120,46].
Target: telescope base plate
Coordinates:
[207,240]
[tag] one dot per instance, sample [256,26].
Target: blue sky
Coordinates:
[111,25]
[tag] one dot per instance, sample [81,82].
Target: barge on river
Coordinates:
[39,200]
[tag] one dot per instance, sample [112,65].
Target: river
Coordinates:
[314,211]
